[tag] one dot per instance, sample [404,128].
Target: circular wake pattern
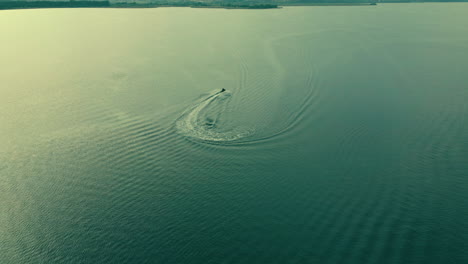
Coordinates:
[205,121]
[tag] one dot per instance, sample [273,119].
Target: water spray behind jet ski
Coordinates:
[204,120]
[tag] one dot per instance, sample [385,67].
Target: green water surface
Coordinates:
[342,136]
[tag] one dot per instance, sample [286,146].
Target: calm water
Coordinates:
[342,136]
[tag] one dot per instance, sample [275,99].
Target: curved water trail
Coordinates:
[278,97]
[205,121]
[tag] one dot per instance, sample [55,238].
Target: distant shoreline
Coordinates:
[14,5]
[106,4]
[197,5]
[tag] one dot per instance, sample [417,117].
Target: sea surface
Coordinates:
[341,135]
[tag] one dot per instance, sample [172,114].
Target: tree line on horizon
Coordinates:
[52,4]
[251,4]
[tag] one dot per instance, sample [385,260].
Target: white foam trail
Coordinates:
[196,124]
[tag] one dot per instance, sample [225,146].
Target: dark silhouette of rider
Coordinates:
[222,90]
